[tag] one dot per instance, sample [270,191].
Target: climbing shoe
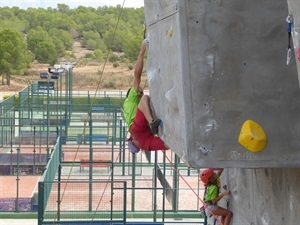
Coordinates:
[154,126]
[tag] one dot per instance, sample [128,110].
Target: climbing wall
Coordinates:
[214,66]
[294,12]
[263,196]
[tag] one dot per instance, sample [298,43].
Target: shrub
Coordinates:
[88,55]
[130,67]
[109,84]
[113,58]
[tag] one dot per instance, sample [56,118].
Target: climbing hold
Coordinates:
[252,136]
[170,32]
[203,150]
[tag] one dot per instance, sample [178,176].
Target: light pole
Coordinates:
[18,162]
[11,151]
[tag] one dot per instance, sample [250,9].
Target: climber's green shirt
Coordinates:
[130,106]
[212,191]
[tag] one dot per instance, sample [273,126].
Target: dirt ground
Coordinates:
[94,73]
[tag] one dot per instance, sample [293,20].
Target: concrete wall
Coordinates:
[294,10]
[263,196]
[213,65]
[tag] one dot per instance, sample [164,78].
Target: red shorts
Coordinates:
[142,135]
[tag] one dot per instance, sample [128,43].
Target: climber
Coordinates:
[289,20]
[212,196]
[143,128]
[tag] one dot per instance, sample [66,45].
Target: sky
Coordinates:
[24,4]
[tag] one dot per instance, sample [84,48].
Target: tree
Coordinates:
[105,28]
[131,45]
[46,46]
[36,36]
[63,7]
[63,35]
[46,52]
[89,35]
[14,57]
[9,20]
[98,54]
[91,44]
[59,46]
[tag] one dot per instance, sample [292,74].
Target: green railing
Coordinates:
[72,128]
[83,201]
[7,121]
[45,185]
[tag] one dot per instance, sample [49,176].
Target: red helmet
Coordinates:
[206,174]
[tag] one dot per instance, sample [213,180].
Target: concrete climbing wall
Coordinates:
[263,196]
[294,11]
[214,64]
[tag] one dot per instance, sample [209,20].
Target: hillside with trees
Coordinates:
[47,36]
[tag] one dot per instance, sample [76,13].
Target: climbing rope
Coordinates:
[89,114]
[103,192]
[204,204]
[84,131]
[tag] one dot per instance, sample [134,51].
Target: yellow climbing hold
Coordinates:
[170,32]
[252,136]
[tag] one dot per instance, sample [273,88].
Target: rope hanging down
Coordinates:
[177,171]
[89,114]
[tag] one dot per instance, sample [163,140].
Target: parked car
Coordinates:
[55,75]
[44,75]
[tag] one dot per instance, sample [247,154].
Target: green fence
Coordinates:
[39,120]
[45,185]
[83,201]
[7,121]
[88,160]
[97,195]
